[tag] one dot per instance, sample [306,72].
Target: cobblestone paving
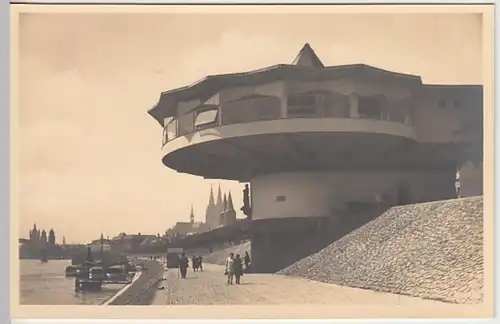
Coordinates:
[432,250]
[209,288]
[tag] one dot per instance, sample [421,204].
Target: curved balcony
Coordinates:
[305,112]
[291,126]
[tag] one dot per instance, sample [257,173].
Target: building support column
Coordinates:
[284,106]
[219,115]
[353,105]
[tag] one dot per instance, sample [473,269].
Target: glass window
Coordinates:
[251,110]
[237,112]
[370,107]
[398,114]
[206,117]
[165,136]
[171,129]
[299,105]
[267,108]
[167,120]
[185,124]
[337,106]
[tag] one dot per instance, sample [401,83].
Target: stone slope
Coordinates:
[432,250]
[219,257]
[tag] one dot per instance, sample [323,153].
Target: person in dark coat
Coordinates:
[183,265]
[200,262]
[247,260]
[194,261]
[237,268]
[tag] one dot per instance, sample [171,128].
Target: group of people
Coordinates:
[197,262]
[235,267]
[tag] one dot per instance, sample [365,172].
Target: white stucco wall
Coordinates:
[316,194]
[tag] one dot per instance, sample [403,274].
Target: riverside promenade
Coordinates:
[142,290]
[209,288]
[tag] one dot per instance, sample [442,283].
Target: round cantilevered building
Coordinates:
[322,143]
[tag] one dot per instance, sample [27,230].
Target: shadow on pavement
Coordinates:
[247,284]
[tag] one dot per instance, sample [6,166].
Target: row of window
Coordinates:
[305,105]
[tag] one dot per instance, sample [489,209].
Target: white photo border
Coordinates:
[5,162]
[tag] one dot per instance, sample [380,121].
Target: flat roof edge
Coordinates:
[451,86]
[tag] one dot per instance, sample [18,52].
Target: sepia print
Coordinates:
[251,158]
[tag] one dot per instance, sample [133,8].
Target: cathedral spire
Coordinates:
[225,203]
[219,196]
[230,206]
[211,201]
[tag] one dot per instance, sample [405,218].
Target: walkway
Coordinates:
[209,288]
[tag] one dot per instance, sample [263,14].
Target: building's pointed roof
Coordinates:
[308,58]
[219,196]
[225,202]
[230,206]
[211,200]
[191,216]
[212,84]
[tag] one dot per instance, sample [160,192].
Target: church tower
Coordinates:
[219,208]
[191,216]
[223,212]
[211,210]
[230,213]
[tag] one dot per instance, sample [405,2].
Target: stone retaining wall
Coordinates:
[432,250]
[143,290]
[219,257]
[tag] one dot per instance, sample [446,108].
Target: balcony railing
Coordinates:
[212,118]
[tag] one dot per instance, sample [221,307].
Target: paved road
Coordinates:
[209,288]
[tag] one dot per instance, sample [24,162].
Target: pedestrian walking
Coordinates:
[229,271]
[247,261]
[183,265]
[200,262]
[194,261]
[237,268]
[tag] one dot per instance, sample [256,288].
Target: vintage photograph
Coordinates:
[207,157]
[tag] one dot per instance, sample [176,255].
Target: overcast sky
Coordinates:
[90,155]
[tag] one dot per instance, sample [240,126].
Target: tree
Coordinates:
[52,237]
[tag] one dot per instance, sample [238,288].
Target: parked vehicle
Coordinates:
[173,257]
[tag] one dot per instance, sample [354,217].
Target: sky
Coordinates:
[90,155]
